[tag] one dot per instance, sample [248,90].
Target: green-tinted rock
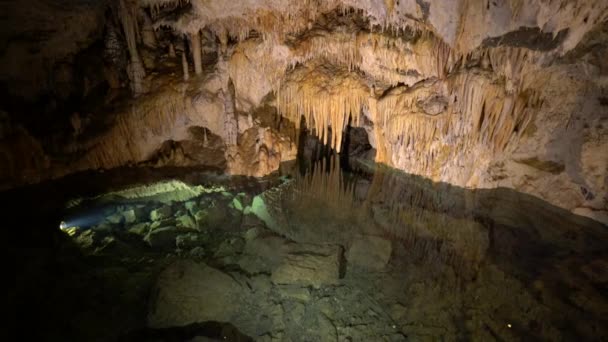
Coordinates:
[201,218]
[186,221]
[161,213]
[236,203]
[162,237]
[189,241]
[139,228]
[258,208]
[164,223]
[115,218]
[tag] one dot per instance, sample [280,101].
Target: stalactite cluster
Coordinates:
[324,99]
[410,210]
[456,91]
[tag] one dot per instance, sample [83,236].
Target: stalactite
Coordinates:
[172,53]
[148,34]
[185,67]
[195,47]
[326,97]
[135,69]
[129,141]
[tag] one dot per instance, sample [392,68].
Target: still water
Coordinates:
[370,254]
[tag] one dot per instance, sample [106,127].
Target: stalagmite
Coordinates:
[230,122]
[195,47]
[172,50]
[185,67]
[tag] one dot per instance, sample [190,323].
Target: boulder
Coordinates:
[249,220]
[189,292]
[133,215]
[139,228]
[202,218]
[217,214]
[189,241]
[309,265]
[263,254]
[161,213]
[129,216]
[251,233]
[236,204]
[197,252]
[192,207]
[369,252]
[87,240]
[230,247]
[186,221]
[116,218]
[162,238]
[259,209]
[294,293]
[163,223]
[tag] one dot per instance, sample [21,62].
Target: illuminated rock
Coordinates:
[190,292]
[309,265]
[161,213]
[186,221]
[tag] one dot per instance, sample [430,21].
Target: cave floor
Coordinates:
[322,257]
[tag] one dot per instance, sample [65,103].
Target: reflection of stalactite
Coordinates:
[326,183]
[433,221]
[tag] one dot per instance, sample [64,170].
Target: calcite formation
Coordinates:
[478,94]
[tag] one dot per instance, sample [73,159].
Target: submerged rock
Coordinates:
[190,240]
[139,228]
[309,265]
[133,215]
[369,252]
[163,223]
[115,219]
[192,207]
[201,218]
[161,213]
[162,237]
[186,221]
[189,292]
[230,247]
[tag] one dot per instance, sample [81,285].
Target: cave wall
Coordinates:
[479,94]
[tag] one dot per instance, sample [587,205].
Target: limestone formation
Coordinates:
[471,93]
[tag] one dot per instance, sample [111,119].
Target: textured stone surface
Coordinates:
[162,213]
[369,252]
[190,292]
[309,266]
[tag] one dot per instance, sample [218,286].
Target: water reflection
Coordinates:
[418,259]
